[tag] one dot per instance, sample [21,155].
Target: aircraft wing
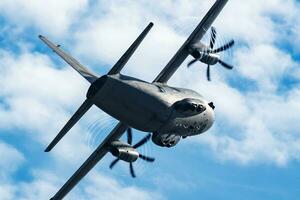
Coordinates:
[87,104]
[116,133]
[94,158]
[196,36]
[70,60]
[124,59]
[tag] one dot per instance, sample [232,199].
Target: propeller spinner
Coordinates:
[209,56]
[137,145]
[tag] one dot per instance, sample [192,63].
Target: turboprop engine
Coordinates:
[124,151]
[127,152]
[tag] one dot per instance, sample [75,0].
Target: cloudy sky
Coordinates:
[253,149]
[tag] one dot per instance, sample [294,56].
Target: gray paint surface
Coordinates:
[170,113]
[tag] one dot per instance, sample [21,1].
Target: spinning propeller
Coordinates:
[209,55]
[137,145]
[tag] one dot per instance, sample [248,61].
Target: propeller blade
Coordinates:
[223,48]
[213,37]
[129,136]
[146,158]
[224,64]
[131,170]
[142,141]
[112,164]
[208,72]
[192,62]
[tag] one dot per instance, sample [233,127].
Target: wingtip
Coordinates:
[150,25]
[48,149]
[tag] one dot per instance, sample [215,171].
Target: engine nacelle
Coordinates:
[165,140]
[210,59]
[124,151]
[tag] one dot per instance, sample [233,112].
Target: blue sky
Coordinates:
[252,151]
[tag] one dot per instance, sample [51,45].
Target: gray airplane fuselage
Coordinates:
[152,107]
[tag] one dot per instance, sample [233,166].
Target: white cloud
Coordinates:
[7,191]
[53,17]
[260,126]
[99,186]
[265,64]
[104,38]
[10,160]
[33,90]
[45,184]
[254,128]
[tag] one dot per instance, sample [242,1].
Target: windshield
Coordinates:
[192,106]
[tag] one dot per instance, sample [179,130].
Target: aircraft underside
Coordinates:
[166,112]
[169,113]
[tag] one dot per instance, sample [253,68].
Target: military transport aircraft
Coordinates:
[168,113]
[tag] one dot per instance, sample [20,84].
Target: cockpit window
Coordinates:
[188,106]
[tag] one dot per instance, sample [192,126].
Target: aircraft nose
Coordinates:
[210,115]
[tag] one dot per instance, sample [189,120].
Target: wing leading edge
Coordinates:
[196,36]
[87,104]
[124,59]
